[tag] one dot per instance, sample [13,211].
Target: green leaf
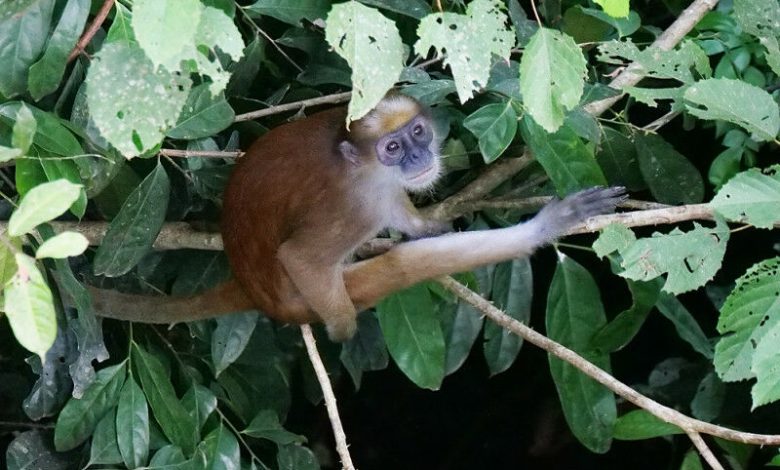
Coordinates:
[574,315]
[266,425]
[747,315]
[121,28]
[760,18]
[625,26]
[566,160]
[552,73]
[470,42]
[725,166]
[168,455]
[614,8]
[203,115]
[366,351]
[372,46]
[639,424]
[737,102]
[132,425]
[671,177]
[689,258]
[42,204]
[512,293]
[133,115]
[104,448]
[291,11]
[23,34]
[691,461]
[687,327]
[131,234]
[752,197]
[24,129]
[200,402]
[614,237]
[63,245]
[709,399]
[46,74]
[29,307]
[7,153]
[220,449]
[621,330]
[674,64]
[33,450]
[177,425]
[461,328]
[78,418]
[495,126]
[295,457]
[618,159]
[165,29]
[230,338]
[413,335]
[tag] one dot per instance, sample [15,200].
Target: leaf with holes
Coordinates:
[761,19]
[676,64]
[373,48]
[752,196]
[749,313]
[552,77]
[737,102]
[689,259]
[468,42]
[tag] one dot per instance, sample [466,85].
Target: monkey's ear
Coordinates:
[350,152]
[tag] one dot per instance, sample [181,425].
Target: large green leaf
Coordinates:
[552,77]
[200,402]
[296,457]
[574,315]
[413,335]
[495,126]
[266,425]
[165,28]
[617,158]
[45,75]
[29,307]
[685,324]
[104,448]
[752,196]
[23,34]
[671,177]
[203,115]
[131,234]
[461,325]
[366,350]
[567,161]
[132,425]
[24,129]
[220,449]
[639,424]
[177,425]
[63,245]
[470,42]
[512,293]
[675,64]
[760,18]
[735,101]
[366,39]
[78,418]
[230,338]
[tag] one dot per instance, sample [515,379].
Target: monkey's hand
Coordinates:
[559,216]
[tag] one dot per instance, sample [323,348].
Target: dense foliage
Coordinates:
[98,135]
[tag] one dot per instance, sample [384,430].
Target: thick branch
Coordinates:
[686,423]
[329,397]
[200,153]
[675,33]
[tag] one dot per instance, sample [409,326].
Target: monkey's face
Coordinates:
[412,149]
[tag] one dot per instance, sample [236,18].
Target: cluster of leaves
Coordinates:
[174,73]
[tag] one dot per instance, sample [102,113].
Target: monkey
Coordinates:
[308,193]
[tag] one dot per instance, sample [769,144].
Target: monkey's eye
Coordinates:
[392,147]
[418,130]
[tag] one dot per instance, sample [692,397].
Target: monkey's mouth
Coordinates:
[421,176]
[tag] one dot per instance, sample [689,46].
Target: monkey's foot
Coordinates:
[558,216]
[341,328]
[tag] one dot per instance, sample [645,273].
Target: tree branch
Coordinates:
[675,33]
[91,30]
[330,398]
[295,106]
[201,153]
[705,451]
[689,425]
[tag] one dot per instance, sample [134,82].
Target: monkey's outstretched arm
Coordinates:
[409,263]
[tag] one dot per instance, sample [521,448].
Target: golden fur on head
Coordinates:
[392,113]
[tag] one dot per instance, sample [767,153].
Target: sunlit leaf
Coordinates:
[752,196]
[63,245]
[41,204]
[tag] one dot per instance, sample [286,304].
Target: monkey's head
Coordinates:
[399,134]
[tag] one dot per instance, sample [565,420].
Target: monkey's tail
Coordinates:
[224,298]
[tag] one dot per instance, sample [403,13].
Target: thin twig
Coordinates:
[327,99]
[662,121]
[675,33]
[201,153]
[536,202]
[329,396]
[705,451]
[91,30]
[669,415]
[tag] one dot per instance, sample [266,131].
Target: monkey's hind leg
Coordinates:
[322,287]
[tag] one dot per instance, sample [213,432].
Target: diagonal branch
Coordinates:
[689,425]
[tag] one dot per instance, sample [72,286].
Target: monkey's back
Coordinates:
[274,192]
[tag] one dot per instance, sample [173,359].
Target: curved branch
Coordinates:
[91,30]
[335,98]
[329,397]
[686,423]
